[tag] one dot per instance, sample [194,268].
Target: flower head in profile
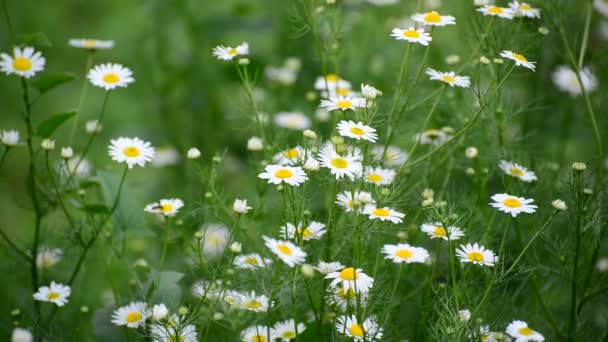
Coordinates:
[433,137]
[357,130]
[436,230]
[277,174]
[289,253]
[132,315]
[328,267]
[285,331]
[47,258]
[412,35]
[519,59]
[404,253]
[351,278]
[496,11]
[433,18]
[354,201]
[313,231]
[240,206]
[343,103]
[369,92]
[521,332]
[110,76]
[255,333]
[512,204]
[9,138]
[54,293]
[228,53]
[332,84]
[517,171]
[524,10]
[378,175]
[383,213]
[166,207]
[393,157]
[24,62]
[91,44]
[368,330]
[348,165]
[251,261]
[449,78]
[565,79]
[132,151]
[476,254]
[292,120]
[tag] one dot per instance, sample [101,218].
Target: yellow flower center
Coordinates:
[374,177]
[495,10]
[340,163]
[233,52]
[411,34]
[53,295]
[258,338]
[22,64]
[111,78]
[283,173]
[432,17]
[440,231]
[516,172]
[348,273]
[526,331]
[520,57]
[89,44]
[284,249]
[357,131]
[449,79]
[253,304]
[343,91]
[291,153]
[357,330]
[381,212]
[525,7]
[332,78]
[432,134]
[251,261]
[134,317]
[512,203]
[344,104]
[131,151]
[167,207]
[350,294]
[404,253]
[289,334]
[175,338]
[306,232]
[475,256]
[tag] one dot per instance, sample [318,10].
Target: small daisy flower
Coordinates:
[565,79]
[166,207]
[227,53]
[449,77]
[345,299]
[215,238]
[512,204]
[517,171]
[519,59]
[289,253]
[369,92]
[393,157]
[358,131]
[520,331]
[24,62]
[277,174]
[437,231]
[109,76]
[383,214]
[476,254]
[132,151]
[403,252]
[356,201]
[292,120]
[292,156]
[254,303]
[412,35]
[251,261]
[340,166]
[54,293]
[255,333]
[351,278]
[434,19]
[314,231]
[501,12]
[91,44]
[21,335]
[331,82]
[328,267]
[240,206]
[485,335]
[524,9]
[132,315]
[342,103]
[433,137]
[379,176]
[369,330]
[47,258]
[9,138]
[286,330]
[171,333]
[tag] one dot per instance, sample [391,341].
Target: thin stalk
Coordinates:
[163,254]
[14,246]
[9,25]
[83,94]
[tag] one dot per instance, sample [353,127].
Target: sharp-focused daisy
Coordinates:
[166,207]
[412,35]
[434,19]
[289,253]
[519,59]
[286,330]
[501,12]
[476,254]
[24,62]
[356,201]
[383,214]
[351,278]
[277,174]
[565,79]
[433,137]
[109,76]
[378,175]
[520,331]
[437,231]
[512,204]
[517,171]
[292,120]
[449,77]
[132,315]
[255,333]
[366,331]
[342,103]
[173,332]
[524,9]
[91,44]
[340,166]
[227,53]
[47,258]
[132,151]
[328,267]
[358,130]
[251,261]
[313,231]
[393,157]
[9,138]
[292,156]
[403,252]
[54,293]
[254,303]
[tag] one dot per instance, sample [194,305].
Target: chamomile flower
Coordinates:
[524,9]
[331,82]
[255,333]
[437,231]
[254,303]
[368,330]
[412,35]
[521,332]
[393,157]
[286,330]
[379,176]
[520,60]
[291,156]
[292,120]
[345,299]
[449,77]
[565,79]
[383,214]
[342,103]
[171,333]
[215,238]
[227,53]
[340,166]
[356,201]
[501,12]
[132,315]
[512,204]
[166,207]
[110,76]
[251,261]
[24,62]
[434,19]
[369,92]
[91,44]
[289,253]
[485,335]
[404,253]
[476,254]
[328,267]
[313,231]
[358,130]
[132,151]
[351,278]
[517,171]
[9,138]
[277,174]
[433,137]
[21,335]
[54,293]
[240,206]
[47,258]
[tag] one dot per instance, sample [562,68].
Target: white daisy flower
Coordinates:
[255,144]
[412,35]
[24,62]
[240,206]
[565,79]
[383,214]
[449,77]
[517,171]
[433,137]
[501,12]
[255,333]
[109,76]
[340,166]
[393,157]
[173,332]
[369,92]
[21,335]
[132,151]
[254,303]
[9,138]
[351,278]
[328,267]
[292,156]
[281,75]
[512,204]
[356,201]
[251,261]
[345,299]
[314,231]
[91,44]
[476,254]
[75,166]
[289,253]
[232,298]
[227,53]
[383,2]
[331,82]
[277,174]
[165,156]
[54,293]
[47,258]
[133,315]
[286,330]
[342,103]
[166,207]
[215,238]
[485,335]
[437,231]
[208,290]
[520,331]
[434,19]
[379,176]
[601,6]
[358,131]
[292,120]
[519,59]
[369,330]
[403,252]
[524,9]
[159,311]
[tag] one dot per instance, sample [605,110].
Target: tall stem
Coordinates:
[165,243]
[83,94]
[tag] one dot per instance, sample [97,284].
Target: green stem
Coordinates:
[83,94]
[163,254]
[573,287]
[9,26]
[14,246]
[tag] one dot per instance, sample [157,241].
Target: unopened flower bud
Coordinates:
[194,153]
